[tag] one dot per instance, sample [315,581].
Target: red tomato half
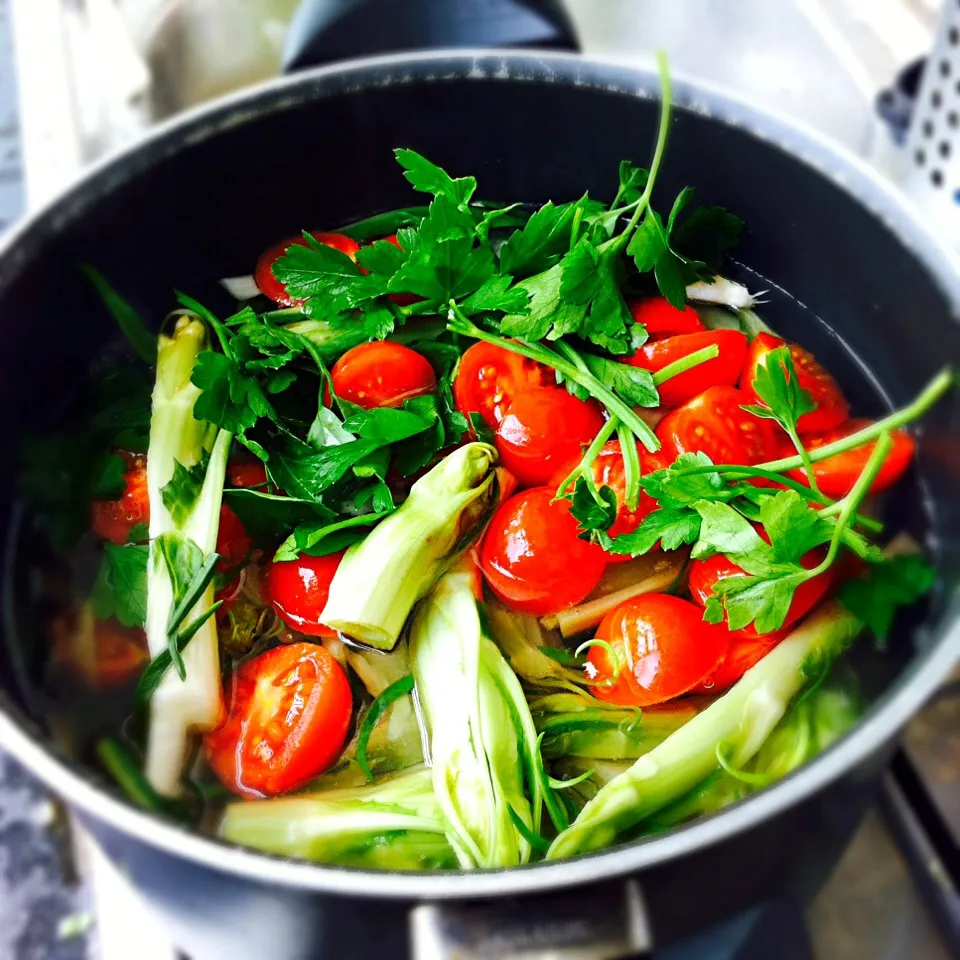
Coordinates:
[663,320]
[233,541]
[298,591]
[665,649]
[288,719]
[832,408]
[608,472]
[744,652]
[723,370]
[715,424]
[382,374]
[533,559]
[246,473]
[543,428]
[705,573]
[113,519]
[837,475]
[270,286]
[489,377]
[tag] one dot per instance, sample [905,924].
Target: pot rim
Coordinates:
[879,725]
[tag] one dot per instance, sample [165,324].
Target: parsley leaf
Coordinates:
[542,242]
[672,527]
[268,517]
[427,177]
[632,384]
[497,293]
[120,589]
[329,275]
[777,386]
[896,582]
[180,493]
[707,235]
[319,539]
[633,179]
[676,488]
[593,512]
[794,528]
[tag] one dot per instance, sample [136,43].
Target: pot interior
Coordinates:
[202,202]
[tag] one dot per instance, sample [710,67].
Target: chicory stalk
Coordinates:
[192,702]
[394,824]
[381,578]
[483,743]
[738,723]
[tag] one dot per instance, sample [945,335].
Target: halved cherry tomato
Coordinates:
[744,652]
[543,428]
[298,591]
[704,574]
[246,473]
[382,374]
[608,471]
[270,286]
[117,655]
[288,719]
[665,648]
[723,370]
[533,559]
[113,519]
[837,475]
[489,377]
[832,407]
[233,541]
[663,320]
[714,423]
[401,299]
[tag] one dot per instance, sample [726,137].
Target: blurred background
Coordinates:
[82,78]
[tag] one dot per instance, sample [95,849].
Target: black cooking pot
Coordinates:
[876,299]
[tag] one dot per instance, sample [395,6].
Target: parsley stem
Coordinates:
[666,97]
[686,363]
[606,432]
[569,364]
[853,499]
[631,467]
[804,455]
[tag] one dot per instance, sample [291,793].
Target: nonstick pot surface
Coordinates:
[202,197]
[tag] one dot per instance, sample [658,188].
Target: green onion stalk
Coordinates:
[738,724]
[381,578]
[188,699]
[392,825]
[483,744]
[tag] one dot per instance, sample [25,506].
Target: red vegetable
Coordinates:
[543,428]
[246,473]
[113,519]
[489,377]
[298,591]
[723,370]
[745,652]
[832,408]
[382,374]
[663,320]
[401,299]
[533,559]
[271,286]
[664,646]
[714,423]
[289,716]
[837,475]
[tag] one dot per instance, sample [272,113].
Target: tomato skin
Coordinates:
[113,519]
[298,591]
[608,471]
[382,374]
[543,428]
[837,475]
[723,370]
[745,652]
[665,646]
[663,320]
[533,559]
[288,720]
[246,473]
[714,423]
[489,377]
[118,655]
[704,574]
[832,407]
[233,541]
[271,287]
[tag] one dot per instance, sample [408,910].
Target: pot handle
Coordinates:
[586,923]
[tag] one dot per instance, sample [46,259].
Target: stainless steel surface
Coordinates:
[599,924]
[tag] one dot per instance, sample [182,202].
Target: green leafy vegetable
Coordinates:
[886,588]
[120,589]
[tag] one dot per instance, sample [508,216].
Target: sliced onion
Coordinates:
[725,292]
[241,288]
